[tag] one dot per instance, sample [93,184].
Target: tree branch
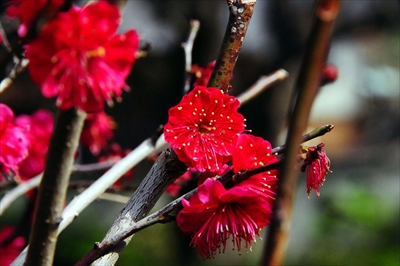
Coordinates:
[308,84]
[188,47]
[53,186]
[164,172]
[240,12]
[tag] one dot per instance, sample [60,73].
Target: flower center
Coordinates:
[203,129]
[99,52]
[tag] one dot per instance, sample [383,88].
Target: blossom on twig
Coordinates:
[214,214]
[316,165]
[84,62]
[204,127]
[252,152]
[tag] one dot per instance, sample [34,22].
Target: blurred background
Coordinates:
[355,221]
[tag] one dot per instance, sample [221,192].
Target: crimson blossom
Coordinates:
[97,131]
[202,74]
[78,57]
[252,152]
[316,165]
[214,214]
[27,11]
[14,141]
[10,246]
[204,127]
[41,126]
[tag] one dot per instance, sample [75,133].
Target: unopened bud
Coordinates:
[329,74]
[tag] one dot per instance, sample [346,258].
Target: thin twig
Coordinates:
[114,197]
[19,65]
[22,188]
[262,83]
[18,191]
[307,87]
[188,47]
[240,12]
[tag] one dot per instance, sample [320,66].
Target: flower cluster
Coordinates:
[84,62]
[205,131]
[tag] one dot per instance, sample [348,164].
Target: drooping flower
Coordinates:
[14,141]
[79,58]
[28,11]
[252,152]
[97,131]
[115,153]
[41,126]
[202,74]
[10,246]
[214,214]
[203,128]
[316,165]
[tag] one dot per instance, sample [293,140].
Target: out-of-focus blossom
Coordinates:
[10,246]
[79,58]
[203,128]
[28,11]
[316,165]
[14,141]
[41,127]
[115,153]
[330,73]
[214,214]
[174,189]
[97,131]
[202,74]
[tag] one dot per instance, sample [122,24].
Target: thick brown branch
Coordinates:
[53,187]
[164,172]
[239,19]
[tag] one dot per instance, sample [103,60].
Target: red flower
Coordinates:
[174,189]
[41,127]
[28,11]
[115,153]
[202,74]
[79,58]
[214,214]
[316,165]
[10,246]
[203,128]
[253,152]
[97,131]
[14,141]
